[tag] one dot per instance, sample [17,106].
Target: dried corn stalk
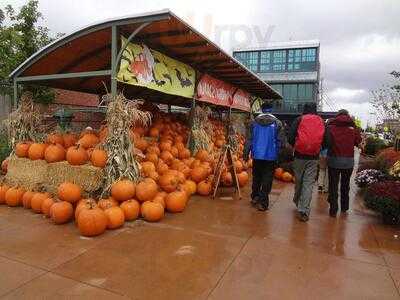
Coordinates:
[121,163]
[24,123]
[201,130]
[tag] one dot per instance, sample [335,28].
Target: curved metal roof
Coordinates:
[89,49]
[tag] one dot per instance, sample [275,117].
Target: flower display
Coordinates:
[367,177]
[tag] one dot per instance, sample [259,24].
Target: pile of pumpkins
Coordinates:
[60,147]
[283,175]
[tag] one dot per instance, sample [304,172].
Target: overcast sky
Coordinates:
[360,39]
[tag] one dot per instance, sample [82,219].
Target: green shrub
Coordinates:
[5,149]
[373,145]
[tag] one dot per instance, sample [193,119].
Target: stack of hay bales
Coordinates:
[36,174]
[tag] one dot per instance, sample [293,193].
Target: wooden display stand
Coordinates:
[226,153]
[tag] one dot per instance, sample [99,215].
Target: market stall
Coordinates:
[142,161]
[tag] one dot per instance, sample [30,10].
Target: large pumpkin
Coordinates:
[98,158]
[116,217]
[3,190]
[168,182]
[70,192]
[198,174]
[123,190]
[88,140]
[131,209]
[22,149]
[46,206]
[36,151]
[92,221]
[204,188]
[37,200]
[61,212]
[54,153]
[76,156]
[152,211]
[13,196]
[176,201]
[84,204]
[146,190]
[26,199]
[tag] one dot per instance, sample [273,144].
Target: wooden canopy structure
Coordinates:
[89,58]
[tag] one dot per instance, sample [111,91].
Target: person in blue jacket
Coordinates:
[265,138]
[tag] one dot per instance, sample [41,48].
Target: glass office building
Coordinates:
[291,68]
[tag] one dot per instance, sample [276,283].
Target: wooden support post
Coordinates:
[15,94]
[114,51]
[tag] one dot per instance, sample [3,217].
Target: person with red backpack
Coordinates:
[308,136]
[343,137]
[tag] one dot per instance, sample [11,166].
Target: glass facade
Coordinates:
[294,95]
[288,60]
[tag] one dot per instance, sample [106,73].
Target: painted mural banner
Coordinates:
[241,100]
[214,91]
[142,66]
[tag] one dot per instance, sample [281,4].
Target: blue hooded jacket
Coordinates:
[265,139]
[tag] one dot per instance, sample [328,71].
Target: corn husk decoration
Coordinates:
[201,130]
[121,162]
[24,123]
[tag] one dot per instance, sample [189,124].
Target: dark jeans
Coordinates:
[344,176]
[263,175]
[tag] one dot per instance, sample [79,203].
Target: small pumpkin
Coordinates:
[160,198]
[202,155]
[176,201]
[13,196]
[167,157]
[204,188]
[3,190]
[55,138]
[22,149]
[98,158]
[92,221]
[83,204]
[243,178]
[147,168]
[198,174]
[70,192]
[76,155]
[278,173]
[36,151]
[61,212]
[46,206]
[88,140]
[116,217]
[152,211]
[123,190]
[26,199]
[69,140]
[54,153]
[146,190]
[287,177]
[152,157]
[37,200]
[131,209]
[190,187]
[168,182]
[106,203]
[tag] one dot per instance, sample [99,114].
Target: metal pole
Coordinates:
[114,49]
[15,102]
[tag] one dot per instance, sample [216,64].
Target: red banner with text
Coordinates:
[215,91]
[241,100]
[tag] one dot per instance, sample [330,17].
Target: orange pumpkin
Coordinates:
[46,206]
[243,178]
[3,190]
[238,166]
[202,155]
[184,153]
[167,157]
[147,168]
[154,150]
[61,212]
[123,190]
[106,203]
[26,199]
[92,221]
[76,156]
[88,140]
[227,179]
[176,201]
[165,146]
[69,140]
[168,182]
[70,192]
[55,138]
[160,198]
[84,204]
[146,190]
[116,217]
[278,173]
[141,144]
[204,188]
[154,132]
[36,151]
[98,158]
[162,167]
[131,209]
[152,211]
[152,157]
[198,174]
[287,177]
[22,149]
[190,187]
[13,196]
[54,153]
[37,200]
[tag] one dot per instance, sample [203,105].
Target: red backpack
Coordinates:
[310,134]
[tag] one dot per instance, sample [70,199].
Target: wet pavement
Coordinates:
[216,249]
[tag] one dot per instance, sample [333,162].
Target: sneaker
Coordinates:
[262,206]
[303,217]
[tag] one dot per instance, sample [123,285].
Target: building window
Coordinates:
[294,96]
[249,59]
[265,61]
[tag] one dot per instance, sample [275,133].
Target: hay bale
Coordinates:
[33,174]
